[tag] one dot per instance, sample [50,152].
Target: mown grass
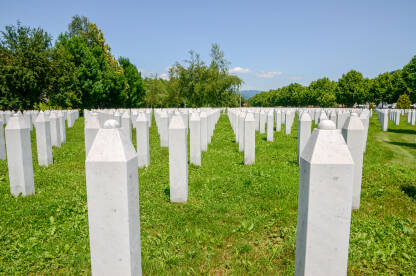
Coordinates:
[238,220]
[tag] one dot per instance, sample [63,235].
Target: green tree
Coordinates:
[352,88]
[323,92]
[403,102]
[24,66]
[409,78]
[135,91]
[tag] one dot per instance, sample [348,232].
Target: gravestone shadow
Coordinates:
[404,144]
[409,190]
[405,131]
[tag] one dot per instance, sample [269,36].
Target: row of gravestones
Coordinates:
[384,115]
[245,121]
[330,160]
[329,183]
[113,210]
[15,143]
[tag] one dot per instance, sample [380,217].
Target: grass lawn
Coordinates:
[238,220]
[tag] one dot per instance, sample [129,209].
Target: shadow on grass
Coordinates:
[409,190]
[404,144]
[406,131]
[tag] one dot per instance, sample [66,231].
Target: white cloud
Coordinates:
[239,70]
[268,75]
[164,76]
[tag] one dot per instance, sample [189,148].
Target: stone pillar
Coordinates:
[353,132]
[178,160]
[55,130]
[288,125]
[304,132]
[2,141]
[397,117]
[19,156]
[92,125]
[195,139]
[117,117]
[278,120]
[164,129]
[324,204]
[333,116]
[385,120]
[62,127]
[364,117]
[43,140]
[241,118]
[204,131]
[142,140]
[113,203]
[413,118]
[249,139]
[257,118]
[262,126]
[339,119]
[126,124]
[270,126]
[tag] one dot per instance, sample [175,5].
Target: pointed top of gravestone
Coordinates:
[195,116]
[141,117]
[353,122]
[326,146]
[111,124]
[93,122]
[16,122]
[249,117]
[41,118]
[176,122]
[305,117]
[121,149]
[126,115]
[327,125]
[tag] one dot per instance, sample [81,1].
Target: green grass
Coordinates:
[238,220]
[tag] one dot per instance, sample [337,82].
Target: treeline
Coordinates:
[352,88]
[79,71]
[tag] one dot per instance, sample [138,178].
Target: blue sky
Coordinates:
[269,43]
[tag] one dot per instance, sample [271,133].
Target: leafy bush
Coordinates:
[403,102]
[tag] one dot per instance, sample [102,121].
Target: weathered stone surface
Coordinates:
[113,203]
[2,141]
[142,140]
[19,156]
[195,139]
[43,140]
[249,139]
[204,134]
[324,204]
[270,126]
[353,132]
[304,132]
[55,130]
[178,160]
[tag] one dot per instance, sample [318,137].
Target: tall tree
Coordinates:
[24,66]
[135,91]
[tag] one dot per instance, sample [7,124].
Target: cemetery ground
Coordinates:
[239,219]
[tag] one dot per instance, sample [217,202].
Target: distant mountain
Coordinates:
[247,94]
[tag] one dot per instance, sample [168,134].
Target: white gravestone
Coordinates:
[113,203]
[43,140]
[19,156]
[55,130]
[2,141]
[270,126]
[92,125]
[324,204]
[249,139]
[353,132]
[304,132]
[195,139]
[178,160]
[204,138]
[142,140]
